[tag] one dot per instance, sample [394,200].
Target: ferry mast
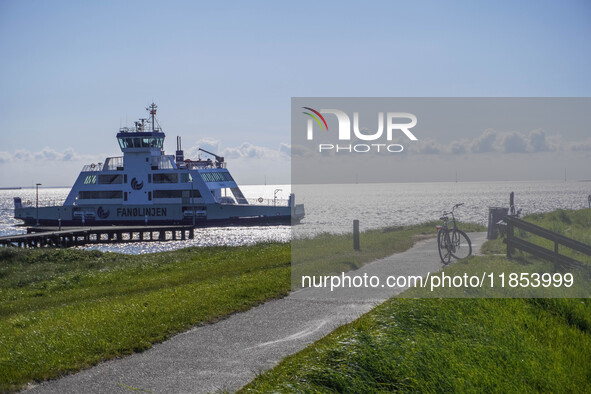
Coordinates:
[152,110]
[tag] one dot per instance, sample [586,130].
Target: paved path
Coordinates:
[228,354]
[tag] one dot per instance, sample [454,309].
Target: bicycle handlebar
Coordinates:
[444,217]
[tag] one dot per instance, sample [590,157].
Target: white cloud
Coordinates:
[581,146]
[45,154]
[285,149]
[537,141]
[501,141]
[485,143]
[23,155]
[300,151]
[5,157]
[513,142]
[248,150]
[427,146]
[208,144]
[70,155]
[458,147]
[245,150]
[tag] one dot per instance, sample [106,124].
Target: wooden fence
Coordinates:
[553,255]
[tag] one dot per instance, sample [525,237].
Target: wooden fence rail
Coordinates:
[517,243]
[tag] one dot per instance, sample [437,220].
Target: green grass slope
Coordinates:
[62,310]
[453,344]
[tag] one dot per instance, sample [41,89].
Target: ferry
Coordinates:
[145,186]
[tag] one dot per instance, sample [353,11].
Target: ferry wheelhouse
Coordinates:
[146,186]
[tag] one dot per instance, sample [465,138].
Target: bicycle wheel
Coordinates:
[461,247]
[443,246]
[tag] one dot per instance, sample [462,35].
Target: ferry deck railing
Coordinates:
[111,164]
[43,203]
[273,202]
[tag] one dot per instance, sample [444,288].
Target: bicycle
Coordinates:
[452,242]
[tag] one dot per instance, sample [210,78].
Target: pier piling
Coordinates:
[75,236]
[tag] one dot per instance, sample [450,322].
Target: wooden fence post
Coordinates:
[510,236]
[356,234]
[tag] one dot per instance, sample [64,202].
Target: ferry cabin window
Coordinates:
[110,179]
[136,142]
[216,177]
[152,142]
[102,194]
[176,193]
[185,177]
[165,178]
[90,179]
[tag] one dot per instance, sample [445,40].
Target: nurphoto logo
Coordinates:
[393,125]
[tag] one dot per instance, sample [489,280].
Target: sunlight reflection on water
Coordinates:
[332,208]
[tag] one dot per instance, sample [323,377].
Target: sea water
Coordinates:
[332,208]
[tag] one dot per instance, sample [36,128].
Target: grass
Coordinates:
[329,254]
[452,344]
[447,345]
[62,310]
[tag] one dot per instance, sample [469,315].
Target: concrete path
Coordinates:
[227,355]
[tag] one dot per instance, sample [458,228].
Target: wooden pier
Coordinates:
[74,236]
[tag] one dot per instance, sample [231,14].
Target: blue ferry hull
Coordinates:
[104,215]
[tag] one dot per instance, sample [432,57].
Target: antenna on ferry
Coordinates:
[152,109]
[180,156]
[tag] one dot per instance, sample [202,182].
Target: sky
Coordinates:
[223,73]
[494,139]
